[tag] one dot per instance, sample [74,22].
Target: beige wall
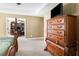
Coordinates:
[2,25]
[34,25]
[73,8]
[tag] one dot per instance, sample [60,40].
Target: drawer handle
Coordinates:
[59,26]
[59,20]
[58,38]
[59,32]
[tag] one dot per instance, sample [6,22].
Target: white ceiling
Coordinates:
[35,9]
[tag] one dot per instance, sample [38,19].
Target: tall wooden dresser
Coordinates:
[61,35]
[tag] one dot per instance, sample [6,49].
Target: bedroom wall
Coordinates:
[47,16]
[2,25]
[34,27]
[73,9]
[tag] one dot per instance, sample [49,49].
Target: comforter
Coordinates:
[5,43]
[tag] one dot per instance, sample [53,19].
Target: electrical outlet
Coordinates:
[31,36]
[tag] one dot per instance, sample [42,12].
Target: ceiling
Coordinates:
[35,9]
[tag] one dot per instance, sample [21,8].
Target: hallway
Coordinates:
[31,47]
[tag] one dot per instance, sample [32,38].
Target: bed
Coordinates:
[8,46]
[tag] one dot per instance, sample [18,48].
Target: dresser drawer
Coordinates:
[55,49]
[60,50]
[52,48]
[55,37]
[56,21]
[57,32]
[61,43]
[56,26]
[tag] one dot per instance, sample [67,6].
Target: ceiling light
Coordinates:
[18,3]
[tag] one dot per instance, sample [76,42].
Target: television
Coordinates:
[58,10]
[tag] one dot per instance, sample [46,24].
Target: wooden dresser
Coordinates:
[61,35]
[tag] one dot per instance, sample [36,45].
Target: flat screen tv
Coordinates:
[58,10]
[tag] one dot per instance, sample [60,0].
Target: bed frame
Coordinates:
[13,48]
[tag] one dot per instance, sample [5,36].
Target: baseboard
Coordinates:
[36,38]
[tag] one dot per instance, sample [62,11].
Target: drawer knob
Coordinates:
[59,32]
[59,20]
[58,38]
[59,26]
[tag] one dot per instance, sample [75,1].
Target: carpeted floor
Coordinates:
[31,47]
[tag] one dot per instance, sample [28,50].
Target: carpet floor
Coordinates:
[31,47]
